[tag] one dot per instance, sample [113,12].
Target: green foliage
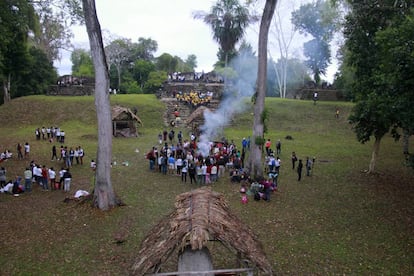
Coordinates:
[169,63]
[228,20]
[372,117]
[37,77]
[131,87]
[141,71]
[144,49]
[380,51]
[191,62]
[320,19]
[166,62]
[127,58]
[82,64]
[155,81]
[55,19]
[260,141]
[396,67]
[23,69]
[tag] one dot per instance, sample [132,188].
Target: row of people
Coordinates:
[45,177]
[50,133]
[69,156]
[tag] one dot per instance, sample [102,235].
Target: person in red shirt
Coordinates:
[44,181]
[268,145]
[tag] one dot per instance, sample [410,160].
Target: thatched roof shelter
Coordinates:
[124,122]
[200,216]
[198,114]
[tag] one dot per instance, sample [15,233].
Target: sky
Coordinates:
[172,25]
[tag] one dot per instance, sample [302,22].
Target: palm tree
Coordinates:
[228,20]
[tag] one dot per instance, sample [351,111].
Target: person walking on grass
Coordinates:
[54,153]
[299,169]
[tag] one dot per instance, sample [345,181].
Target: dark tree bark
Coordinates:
[255,158]
[104,196]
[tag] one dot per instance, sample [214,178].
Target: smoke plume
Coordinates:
[235,100]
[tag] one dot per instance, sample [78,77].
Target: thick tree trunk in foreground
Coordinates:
[374,155]
[255,157]
[104,196]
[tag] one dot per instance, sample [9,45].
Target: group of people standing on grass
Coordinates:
[68,156]
[183,159]
[46,177]
[50,133]
[309,163]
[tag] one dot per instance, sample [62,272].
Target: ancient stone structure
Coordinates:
[184,109]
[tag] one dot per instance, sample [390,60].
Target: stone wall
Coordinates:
[323,94]
[72,90]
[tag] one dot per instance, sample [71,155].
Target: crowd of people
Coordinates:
[174,155]
[47,178]
[194,99]
[182,158]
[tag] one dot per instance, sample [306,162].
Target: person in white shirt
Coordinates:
[61,173]
[26,150]
[179,164]
[52,177]
[213,174]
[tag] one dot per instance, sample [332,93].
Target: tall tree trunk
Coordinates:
[6,89]
[406,141]
[255,157]
[118,69]
[374,156]
[104,196]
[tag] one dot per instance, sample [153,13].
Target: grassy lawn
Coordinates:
[338,221]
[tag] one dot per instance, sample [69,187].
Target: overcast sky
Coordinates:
[172,25]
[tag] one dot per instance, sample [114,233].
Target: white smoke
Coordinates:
[236,97]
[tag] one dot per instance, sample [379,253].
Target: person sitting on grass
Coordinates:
[8,188]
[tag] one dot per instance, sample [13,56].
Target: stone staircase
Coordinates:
[185,111]
[167,96]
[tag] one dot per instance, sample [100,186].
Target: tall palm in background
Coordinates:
[228,20]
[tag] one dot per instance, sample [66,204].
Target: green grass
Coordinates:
[339,221]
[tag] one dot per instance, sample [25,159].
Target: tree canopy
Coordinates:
[228,20]
[379,49]
[320,20]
